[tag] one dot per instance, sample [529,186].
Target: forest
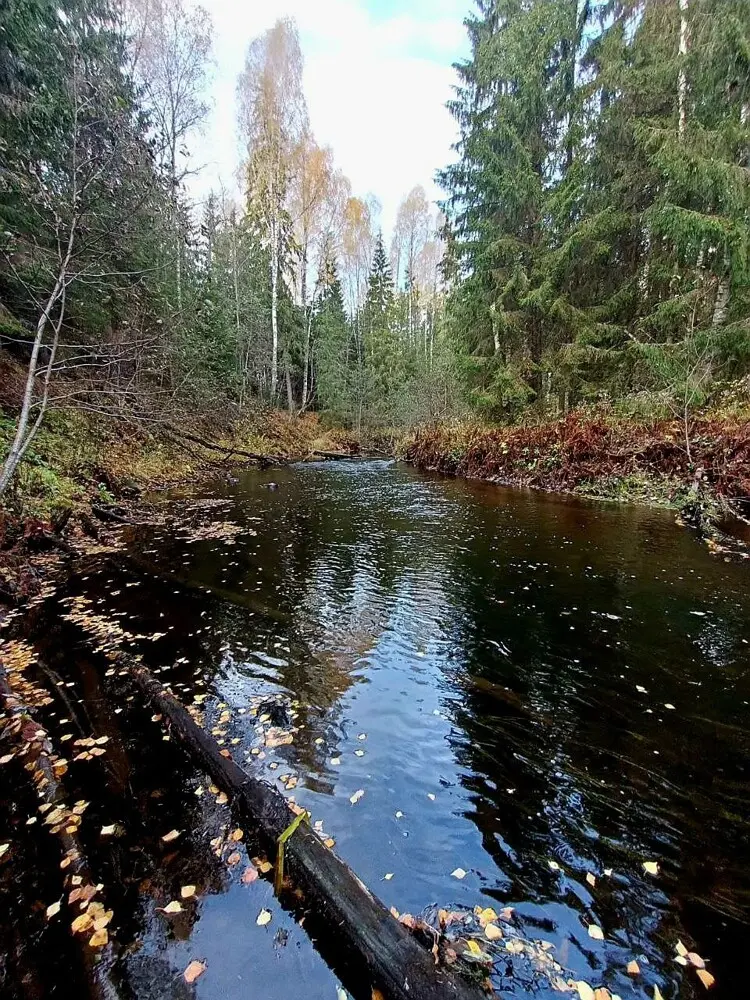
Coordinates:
[373,574]
[591,248]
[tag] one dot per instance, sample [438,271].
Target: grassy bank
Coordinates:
[598,456]
[78,457]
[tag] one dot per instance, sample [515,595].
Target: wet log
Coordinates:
[387,955]
[42,765]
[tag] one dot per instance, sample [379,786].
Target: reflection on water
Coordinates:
[530,688]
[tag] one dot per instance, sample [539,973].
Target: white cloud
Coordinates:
[376,88]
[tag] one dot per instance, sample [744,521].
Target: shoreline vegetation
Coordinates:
[86,473]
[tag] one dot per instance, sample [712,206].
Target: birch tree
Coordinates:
[272,121]
[170,45]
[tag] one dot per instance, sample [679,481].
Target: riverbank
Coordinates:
[599,457]
[85,472]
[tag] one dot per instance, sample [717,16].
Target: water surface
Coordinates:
[530,688]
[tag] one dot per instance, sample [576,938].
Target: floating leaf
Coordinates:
[596,932]
[657,993]
[108,831]
[651,867]
[591,879]
[172,835]
[705,977]
[53,909]
[492,932]
[249,875]
[234,859]
[357,796]
[187,891]
[681,949]
[264,917]
[695,959]
[82,923]
[236,834]
[4,848]
[194,970]
[99,938]
[584,990]
[388,876]
[458,873]
[554,866]
[173,907]
[486,916]
[633,968]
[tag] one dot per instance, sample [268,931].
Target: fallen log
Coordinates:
[334,454]
[387,955]
[211,446]
[43,766]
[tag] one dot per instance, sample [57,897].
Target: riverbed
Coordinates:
[501,698]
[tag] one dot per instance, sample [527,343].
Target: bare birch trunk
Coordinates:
[682,77]
[25,435]
[274,305]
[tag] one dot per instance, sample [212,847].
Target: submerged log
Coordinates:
[387,955]
[44,767]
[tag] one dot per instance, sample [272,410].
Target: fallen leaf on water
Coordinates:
[554,866]
[341,994]
[194,970]
[99,938]
[695,959]
[591,879]
[608,872]
[4,848]
[458,873]
[486,916]
[82,923]
[388,876]
[669,706]
[430,796]
[234,859]
[335,761]
[237,834]
[187,891]
[329,842]
[249,875]
[641,688]
[173,907]
[359,753]
[222,798]
[357,796]
[584,990]
[108,831]
[657,993]
[492,932]
[172,835]
[264,867]
[362,736]
[376,994]
[633,968]
[602,993]
[53,909]
[705,977]
[681,949]
[264,917]
[651,867]
[596,932]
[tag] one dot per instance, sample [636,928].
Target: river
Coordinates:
[540,692]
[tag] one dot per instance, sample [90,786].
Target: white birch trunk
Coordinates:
[274,304]
[681,77]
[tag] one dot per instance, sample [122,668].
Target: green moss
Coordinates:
[654,491]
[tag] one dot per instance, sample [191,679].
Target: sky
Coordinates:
[377,76]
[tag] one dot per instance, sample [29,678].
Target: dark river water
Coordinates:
[542,692]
